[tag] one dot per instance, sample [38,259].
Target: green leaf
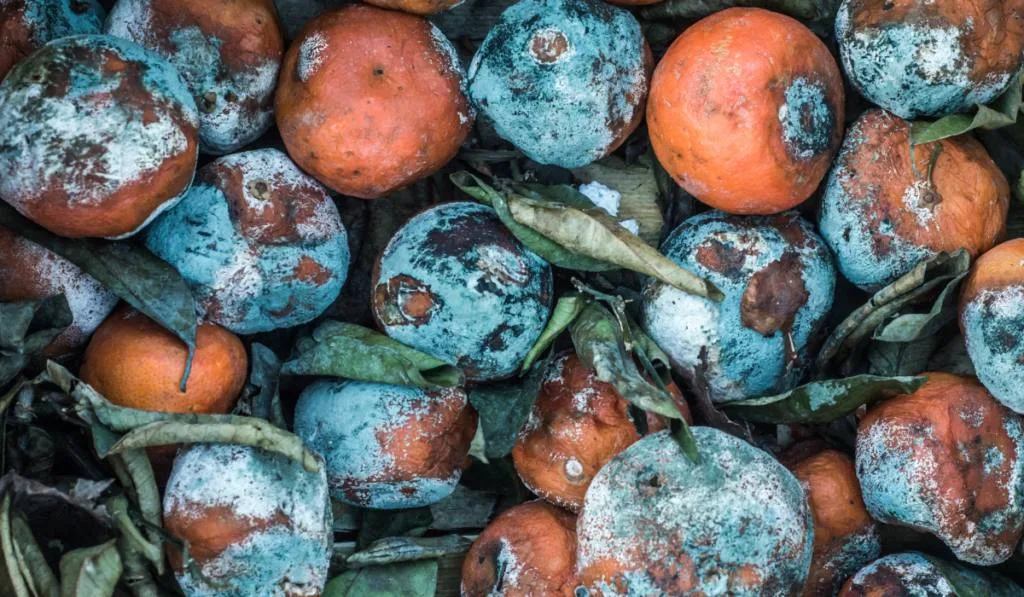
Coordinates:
[24,572]
[566,310]
[504,406]
[91,571]
[547,249]
[391,550]
[128,270]
[953,358]
[891,359]
[262,398]
[379,524]
[1004,112]
[354,352]
[910,327]
[822,402]
[26,328]
[407,579]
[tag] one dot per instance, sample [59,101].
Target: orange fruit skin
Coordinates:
[417,7]
[716,106]
[134,362]
[845,536]
[536,542]
[997,268]
[371,100]
[576,426]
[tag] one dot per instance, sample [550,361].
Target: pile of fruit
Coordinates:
[544,297]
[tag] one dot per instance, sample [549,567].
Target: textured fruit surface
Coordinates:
[992,321]
[30,272]
[371,100]
[929,58]
[25,25]
[97,136]
[387,447]
[746,111]
[419,7]
[911,574]
[134,362]
[655,523]
[260,243]
[527,550]
[228,53]
[563,80]
[778,280]
[455,283]
[576,426]
[882,213]
[256,523]
[947,459]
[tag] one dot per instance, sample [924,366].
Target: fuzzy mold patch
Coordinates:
[993,327]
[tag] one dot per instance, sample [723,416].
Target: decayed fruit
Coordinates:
[563,80]
[30,272]
[456,284]
[260,243]
[527,550]
[385,446]
[25,25]
[134,362]
[746,111]
[947,459]
[845,536]
[97,136]
[256,523]
[882,213]
[911,574]
[227,52]
[656,523]
[371,100]
[778,280]
[930,58]
[418,7]
[575,427]
[992,321]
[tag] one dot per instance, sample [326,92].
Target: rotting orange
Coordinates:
[371,100]
[417,7]
[746,111]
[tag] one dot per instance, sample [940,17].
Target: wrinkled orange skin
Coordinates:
[590,429]
[381,111]
[838,509]
[416,7]
[540,537]
[713,110]
[1001,266]
[965,492]
[134,362]
[972,195]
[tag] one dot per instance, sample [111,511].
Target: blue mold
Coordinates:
[993,327]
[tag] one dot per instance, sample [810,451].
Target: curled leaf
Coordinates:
[407,549]
[504,406]
[347,350]
[261,398]
[822,402]
[638,187]
[91,571]
[1004,112]
[128,270]
[26,328]
[25,572]
[566,310]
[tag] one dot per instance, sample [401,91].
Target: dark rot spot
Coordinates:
[311,272]
[408,491]
[378,71]
[722,258]
[207,102]
[548,45]
[404,300]
[773,296]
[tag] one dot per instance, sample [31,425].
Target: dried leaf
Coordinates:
[504,406]
[569,306]
[407,549]
[25,572]
[406,579]
[91,571]
[910,327]
[262,398]
[26,328]
[354,352]
[638,187]
[822,402]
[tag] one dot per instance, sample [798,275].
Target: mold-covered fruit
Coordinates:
[227,52]
[260,243]
[655,522]
[746,111]
[30,272]
[881,213]
[25,25]
[455,283]
[527,550]
[576,426]
[992,321]
[371,100]
[256,523]
[930,58]
[387,447]
[134,362]
[778,280]
[912,574]
[418,7]
[947,459]
[563,80]
[845,536]
[97,136]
